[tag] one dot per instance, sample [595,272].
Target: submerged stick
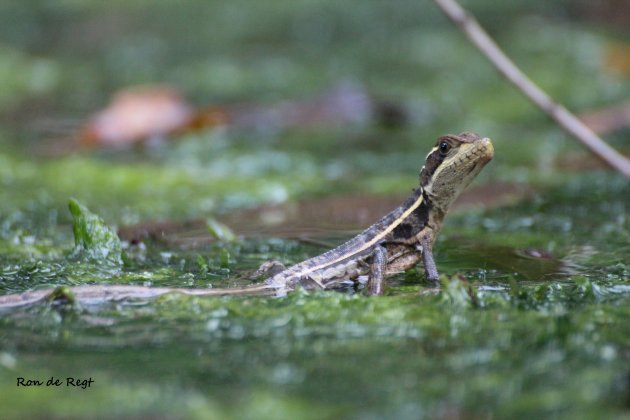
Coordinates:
[569,122]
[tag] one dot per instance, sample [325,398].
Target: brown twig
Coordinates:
[569,122]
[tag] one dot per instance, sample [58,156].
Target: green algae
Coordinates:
[93,239]
[542,347]
[314,347]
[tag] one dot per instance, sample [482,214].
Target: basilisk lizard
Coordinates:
[397,242]
[403,237]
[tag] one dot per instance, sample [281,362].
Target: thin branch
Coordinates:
[569,122]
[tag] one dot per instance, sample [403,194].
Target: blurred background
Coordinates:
[217,105]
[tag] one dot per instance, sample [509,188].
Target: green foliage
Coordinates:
[93,239]
[220,231]
[456,292]
[24,76]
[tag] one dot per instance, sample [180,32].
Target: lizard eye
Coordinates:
[444,147]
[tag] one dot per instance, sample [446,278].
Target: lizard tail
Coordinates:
[100,294]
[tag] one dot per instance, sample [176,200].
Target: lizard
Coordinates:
[394,244]
[403,237]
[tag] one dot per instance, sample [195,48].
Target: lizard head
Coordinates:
[452,164]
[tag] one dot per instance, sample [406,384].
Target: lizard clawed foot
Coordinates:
[434,281]
[268,269]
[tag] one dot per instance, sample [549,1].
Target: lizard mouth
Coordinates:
[487,150]
[476,167]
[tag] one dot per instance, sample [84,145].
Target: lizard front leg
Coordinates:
[430,268]
[377,271]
